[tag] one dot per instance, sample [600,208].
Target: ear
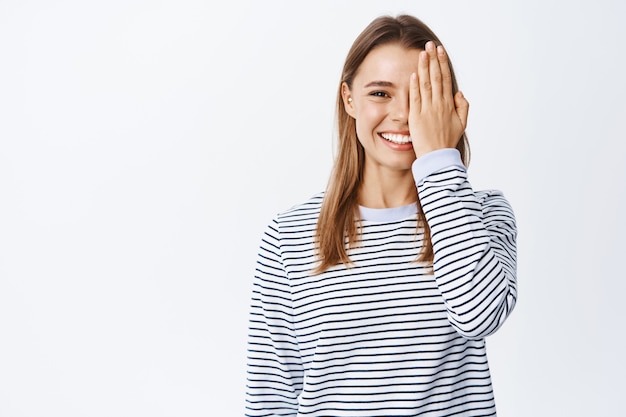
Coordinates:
[348,102]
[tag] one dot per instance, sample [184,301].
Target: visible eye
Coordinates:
[380,94]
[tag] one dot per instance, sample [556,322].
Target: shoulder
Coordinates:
[304,213]
[292,225]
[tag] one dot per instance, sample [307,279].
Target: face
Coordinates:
[380,106]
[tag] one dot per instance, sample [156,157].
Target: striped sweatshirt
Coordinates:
[385,335]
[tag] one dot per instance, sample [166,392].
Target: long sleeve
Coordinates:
[274,369]
[473,237]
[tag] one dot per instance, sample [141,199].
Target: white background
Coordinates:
[144,146]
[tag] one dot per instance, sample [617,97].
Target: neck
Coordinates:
[393,189]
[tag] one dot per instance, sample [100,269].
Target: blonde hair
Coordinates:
[337,226]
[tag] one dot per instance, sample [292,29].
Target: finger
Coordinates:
[423,76]
[446,76]
[435,71]
[415,101]
[462,108]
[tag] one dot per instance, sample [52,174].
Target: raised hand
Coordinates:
[437,118]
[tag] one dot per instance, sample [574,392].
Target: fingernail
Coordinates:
[430,45]
[440,50]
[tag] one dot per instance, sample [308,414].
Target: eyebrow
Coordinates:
[379,84]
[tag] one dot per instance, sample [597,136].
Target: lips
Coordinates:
[396,138]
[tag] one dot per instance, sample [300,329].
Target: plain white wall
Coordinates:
[144,145]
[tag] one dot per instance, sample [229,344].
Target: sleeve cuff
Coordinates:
[435,161]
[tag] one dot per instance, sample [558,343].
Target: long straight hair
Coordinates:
[337,226]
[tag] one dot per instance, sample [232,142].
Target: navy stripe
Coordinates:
[386,335]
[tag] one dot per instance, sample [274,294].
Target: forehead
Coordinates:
[389,62]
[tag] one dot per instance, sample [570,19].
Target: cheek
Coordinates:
[368,117]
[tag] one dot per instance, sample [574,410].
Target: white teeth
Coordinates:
[395,138]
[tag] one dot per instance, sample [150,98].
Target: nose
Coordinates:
[400,110]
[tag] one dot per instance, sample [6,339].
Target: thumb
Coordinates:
[462,107]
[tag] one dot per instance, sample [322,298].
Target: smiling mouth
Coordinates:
[396,138]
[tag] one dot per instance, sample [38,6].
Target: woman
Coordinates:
[375,297]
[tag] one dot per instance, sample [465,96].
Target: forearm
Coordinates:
[473,241]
